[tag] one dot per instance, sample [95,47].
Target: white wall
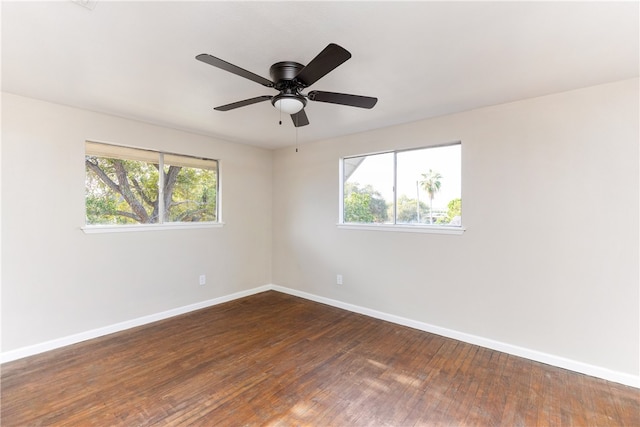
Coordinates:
[58,281]
[549,261]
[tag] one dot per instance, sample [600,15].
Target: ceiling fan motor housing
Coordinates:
[284,72]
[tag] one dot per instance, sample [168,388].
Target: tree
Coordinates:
[406,211]
[454,209]
[126,191]
[357,208]
[431,184]
[194,196]
[364,205]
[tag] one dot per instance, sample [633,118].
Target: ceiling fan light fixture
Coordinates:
[289,103]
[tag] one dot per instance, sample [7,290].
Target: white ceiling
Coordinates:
[421,59]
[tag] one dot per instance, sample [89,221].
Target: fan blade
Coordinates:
[224,65]
[343,99]
[243,103]
[327,60]
[300,118]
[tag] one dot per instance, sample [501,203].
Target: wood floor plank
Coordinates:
[276,360]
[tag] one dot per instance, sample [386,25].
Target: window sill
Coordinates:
[429,229]
[95,229]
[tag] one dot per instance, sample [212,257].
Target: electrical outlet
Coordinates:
[203,279]
[339,279]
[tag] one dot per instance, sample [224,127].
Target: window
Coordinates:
[126,186]
[418,187]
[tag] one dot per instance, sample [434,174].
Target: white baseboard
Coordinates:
[550,359]
[31,350]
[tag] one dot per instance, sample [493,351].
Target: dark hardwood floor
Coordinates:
[274,359]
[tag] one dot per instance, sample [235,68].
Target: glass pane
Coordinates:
[120,191]
[190,189]
[368,189]
[429,186]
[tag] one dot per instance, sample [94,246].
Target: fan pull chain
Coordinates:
[280,122]
[297,117]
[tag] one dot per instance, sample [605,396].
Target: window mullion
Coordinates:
[395,187]
[161,188]
[341,192]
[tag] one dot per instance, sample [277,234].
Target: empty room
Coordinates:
[360,213]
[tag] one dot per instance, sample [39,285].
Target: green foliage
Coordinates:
[194,196]
[407,211]
[364,205]
[101,210]
[357,208]
[455,209]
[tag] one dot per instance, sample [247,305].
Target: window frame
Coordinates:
[119,228]
[410,228]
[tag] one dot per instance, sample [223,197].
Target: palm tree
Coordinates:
[431,184]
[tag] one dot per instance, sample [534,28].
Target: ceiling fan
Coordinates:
[290,79]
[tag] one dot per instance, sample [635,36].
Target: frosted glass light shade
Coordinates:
[288,105]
